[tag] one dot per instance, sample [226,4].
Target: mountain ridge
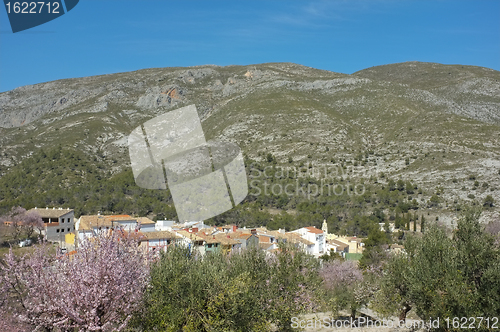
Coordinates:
[421,125]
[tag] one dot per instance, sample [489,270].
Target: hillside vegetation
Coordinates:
[434,125]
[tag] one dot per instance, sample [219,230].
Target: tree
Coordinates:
[22,222]
[96,288]
[375,248]
[446,277]
[394,289]
[9,323]
[340,280]
[247,291]
[14,217]
[400,185]
[434,201]
[32,221]
[410,188]
[488,201]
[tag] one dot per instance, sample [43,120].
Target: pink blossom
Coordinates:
[96,288]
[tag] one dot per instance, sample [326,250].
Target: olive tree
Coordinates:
[442,276]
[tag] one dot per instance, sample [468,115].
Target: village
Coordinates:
[60,226]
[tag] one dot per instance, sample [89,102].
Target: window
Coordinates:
[57,230]
[62,220]
[69,230]
[62,230]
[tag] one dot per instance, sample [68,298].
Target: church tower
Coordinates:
[324,227]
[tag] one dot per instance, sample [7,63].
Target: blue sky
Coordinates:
[109,36]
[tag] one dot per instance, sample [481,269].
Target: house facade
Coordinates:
[57,222]
[158,241]
[316,236]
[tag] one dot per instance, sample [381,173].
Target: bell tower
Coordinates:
[324,227]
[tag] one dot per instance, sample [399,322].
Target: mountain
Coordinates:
[438,125]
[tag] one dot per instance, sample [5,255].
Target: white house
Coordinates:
[316,236]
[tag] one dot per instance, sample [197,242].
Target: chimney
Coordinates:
[253,231]
[235,228]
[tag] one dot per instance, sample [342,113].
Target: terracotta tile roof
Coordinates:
[192,236]
[95,221]
[87,223]
[243,236]
[265,246]
[355,239]
[340,244]
[122,217]
[275,234]
[225,239]
[236,235]
[211,239]
[264,239]
[118,216]
[159,235]
[291,238]
[228,242]
[314,230]
[296,238]
[145,220]
[51,213]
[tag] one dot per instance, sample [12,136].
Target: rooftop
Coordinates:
[96,221]
[51,213]
[314,230]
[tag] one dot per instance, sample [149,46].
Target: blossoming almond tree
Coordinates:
[340,280]
[95,289]
[23,223]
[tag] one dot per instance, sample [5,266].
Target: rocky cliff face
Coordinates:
[429,122]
